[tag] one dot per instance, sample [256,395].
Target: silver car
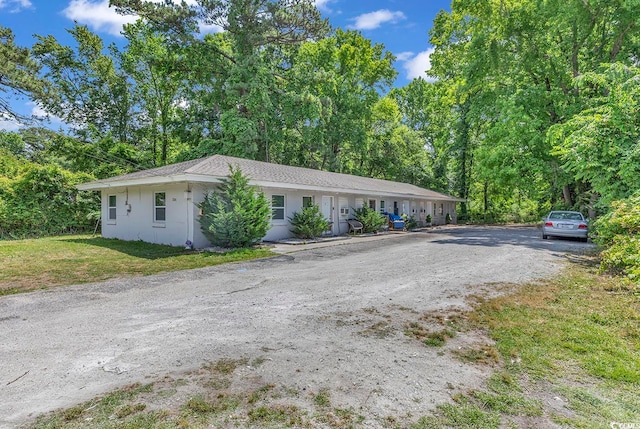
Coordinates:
[563,223]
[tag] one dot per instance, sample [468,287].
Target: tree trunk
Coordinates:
[566,193]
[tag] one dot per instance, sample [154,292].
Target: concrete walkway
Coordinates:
[293,245]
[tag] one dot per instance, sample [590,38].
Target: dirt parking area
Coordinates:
[315,319]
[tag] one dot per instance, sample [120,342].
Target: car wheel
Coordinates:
[544,237]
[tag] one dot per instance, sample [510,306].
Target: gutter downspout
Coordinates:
[190,220]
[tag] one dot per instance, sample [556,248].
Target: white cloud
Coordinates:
[9,125]
[38,112]
[372,20]
[97,15]
[404,56]
[209,28]
[323,5]
[15,5]
[417,66]
[100,17]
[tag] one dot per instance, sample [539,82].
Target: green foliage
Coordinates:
[411,223]
[19,74]
[309,222]
[534,105]
[84,86]
[337,81]
[533,118]
[237,215]
[12,142]
[599,145]
[371,220]
[619,232]
[42,200]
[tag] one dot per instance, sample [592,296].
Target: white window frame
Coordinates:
[157,207]
[310,197]
[283,208]
[112,209]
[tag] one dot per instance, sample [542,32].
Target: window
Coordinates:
[372,204]
[307,201]
[277,207]
[159,207]
[395,208]
[112,207]
[381,206]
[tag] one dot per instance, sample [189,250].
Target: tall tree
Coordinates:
[427,109]
[259,32]
[339,80]
[156,69]
[85,87]
[394,150]
[18,75]
[518,60]
[599,145]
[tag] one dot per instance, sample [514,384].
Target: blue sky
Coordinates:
[401,25]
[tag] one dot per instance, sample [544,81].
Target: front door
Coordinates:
[327,211]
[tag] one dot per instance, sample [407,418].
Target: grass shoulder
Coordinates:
[64,260]
[570,356]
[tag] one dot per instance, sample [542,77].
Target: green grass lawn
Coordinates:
[58,261]
[570,351]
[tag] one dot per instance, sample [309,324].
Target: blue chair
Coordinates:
[395,221]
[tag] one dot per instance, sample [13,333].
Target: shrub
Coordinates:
[371,220]
[43,200]
[309,223]
[411,223]
[619,232]
[238,215]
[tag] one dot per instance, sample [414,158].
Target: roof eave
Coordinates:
[203,178]
[351,191]
[155,180]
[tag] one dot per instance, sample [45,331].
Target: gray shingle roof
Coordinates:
[264,173]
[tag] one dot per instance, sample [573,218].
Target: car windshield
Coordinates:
[565,215]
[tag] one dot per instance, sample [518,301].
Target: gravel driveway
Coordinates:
[304,313]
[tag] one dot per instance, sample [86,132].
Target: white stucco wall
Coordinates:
[135,217]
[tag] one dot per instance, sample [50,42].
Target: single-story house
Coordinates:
[160,205]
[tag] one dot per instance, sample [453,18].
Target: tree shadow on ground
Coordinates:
[138,249]
[509,235]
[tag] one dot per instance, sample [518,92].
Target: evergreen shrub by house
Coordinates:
[237,214]
[309,222]
[619,233]
[371,220]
